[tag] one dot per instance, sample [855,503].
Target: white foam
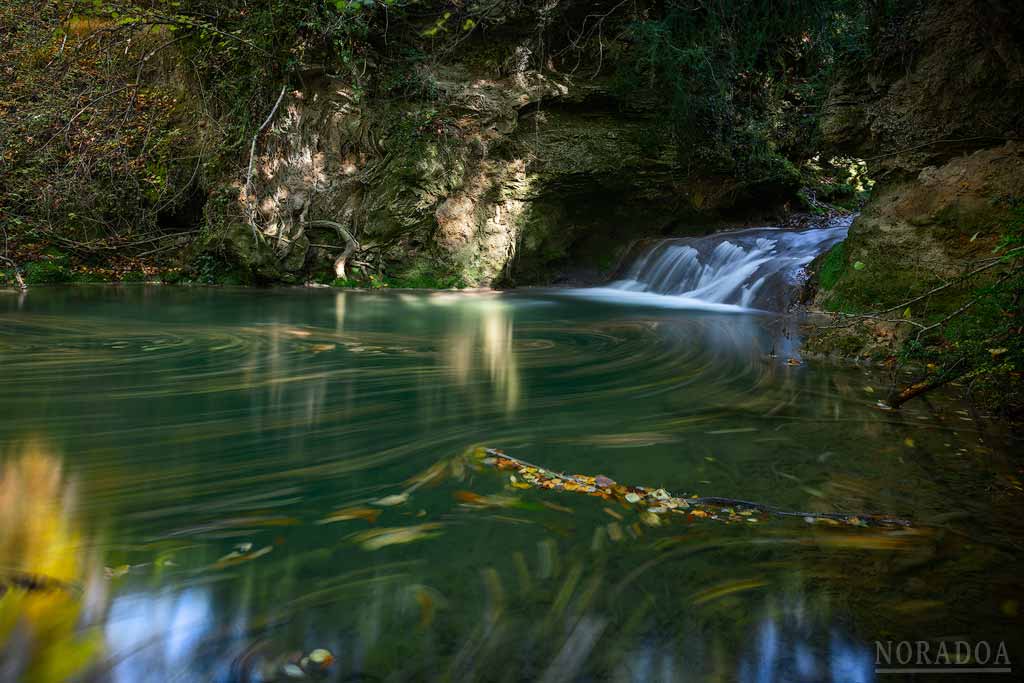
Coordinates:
[616,295]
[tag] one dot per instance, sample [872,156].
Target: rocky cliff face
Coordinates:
[938,114]
[514,175]
[512,170]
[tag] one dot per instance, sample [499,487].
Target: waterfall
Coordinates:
[757,268]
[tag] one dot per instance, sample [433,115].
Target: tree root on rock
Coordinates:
[351,245]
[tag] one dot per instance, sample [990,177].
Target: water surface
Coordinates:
[190,451]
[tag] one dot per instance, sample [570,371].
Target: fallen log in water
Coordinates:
[661,503]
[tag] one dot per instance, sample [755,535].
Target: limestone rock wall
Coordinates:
[508,178]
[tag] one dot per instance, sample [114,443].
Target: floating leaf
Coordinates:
[375,539]
[650,518]
[367,514]
[388,501]
[237,557]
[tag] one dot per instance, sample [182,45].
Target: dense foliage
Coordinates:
[746,79]
[119,116]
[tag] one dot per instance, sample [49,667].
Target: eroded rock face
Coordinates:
[927,222]
[508,178]
[938,114]
[946,78]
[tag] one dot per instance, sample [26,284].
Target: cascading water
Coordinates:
[757,268]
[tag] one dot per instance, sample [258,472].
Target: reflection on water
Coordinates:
[229,480]
[164,629]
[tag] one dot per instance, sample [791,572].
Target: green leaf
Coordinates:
[859,265]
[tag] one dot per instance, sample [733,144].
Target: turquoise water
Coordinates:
[200,443]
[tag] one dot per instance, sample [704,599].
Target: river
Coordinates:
[227,478]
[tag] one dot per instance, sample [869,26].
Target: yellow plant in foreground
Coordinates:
[41,637]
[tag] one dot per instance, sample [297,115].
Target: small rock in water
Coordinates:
[603,482]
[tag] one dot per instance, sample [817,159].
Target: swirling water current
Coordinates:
[193,448]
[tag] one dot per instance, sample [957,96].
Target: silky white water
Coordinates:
[757,268]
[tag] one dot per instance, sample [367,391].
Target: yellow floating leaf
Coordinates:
[367,514]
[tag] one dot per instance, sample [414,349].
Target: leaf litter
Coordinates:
[655,504]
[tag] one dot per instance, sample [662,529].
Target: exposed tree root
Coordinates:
[351,245]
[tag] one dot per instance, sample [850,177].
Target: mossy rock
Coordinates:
[46,272]
[832,266]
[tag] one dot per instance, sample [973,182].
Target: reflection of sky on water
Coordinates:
[158,634]
[168,635]
[778,653]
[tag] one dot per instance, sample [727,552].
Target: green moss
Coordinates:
[90,276]
[832,266]
[208,269]
[424,275]
[134,276]
[46,272]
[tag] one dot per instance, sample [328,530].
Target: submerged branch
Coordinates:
[916,389]
[660,502]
